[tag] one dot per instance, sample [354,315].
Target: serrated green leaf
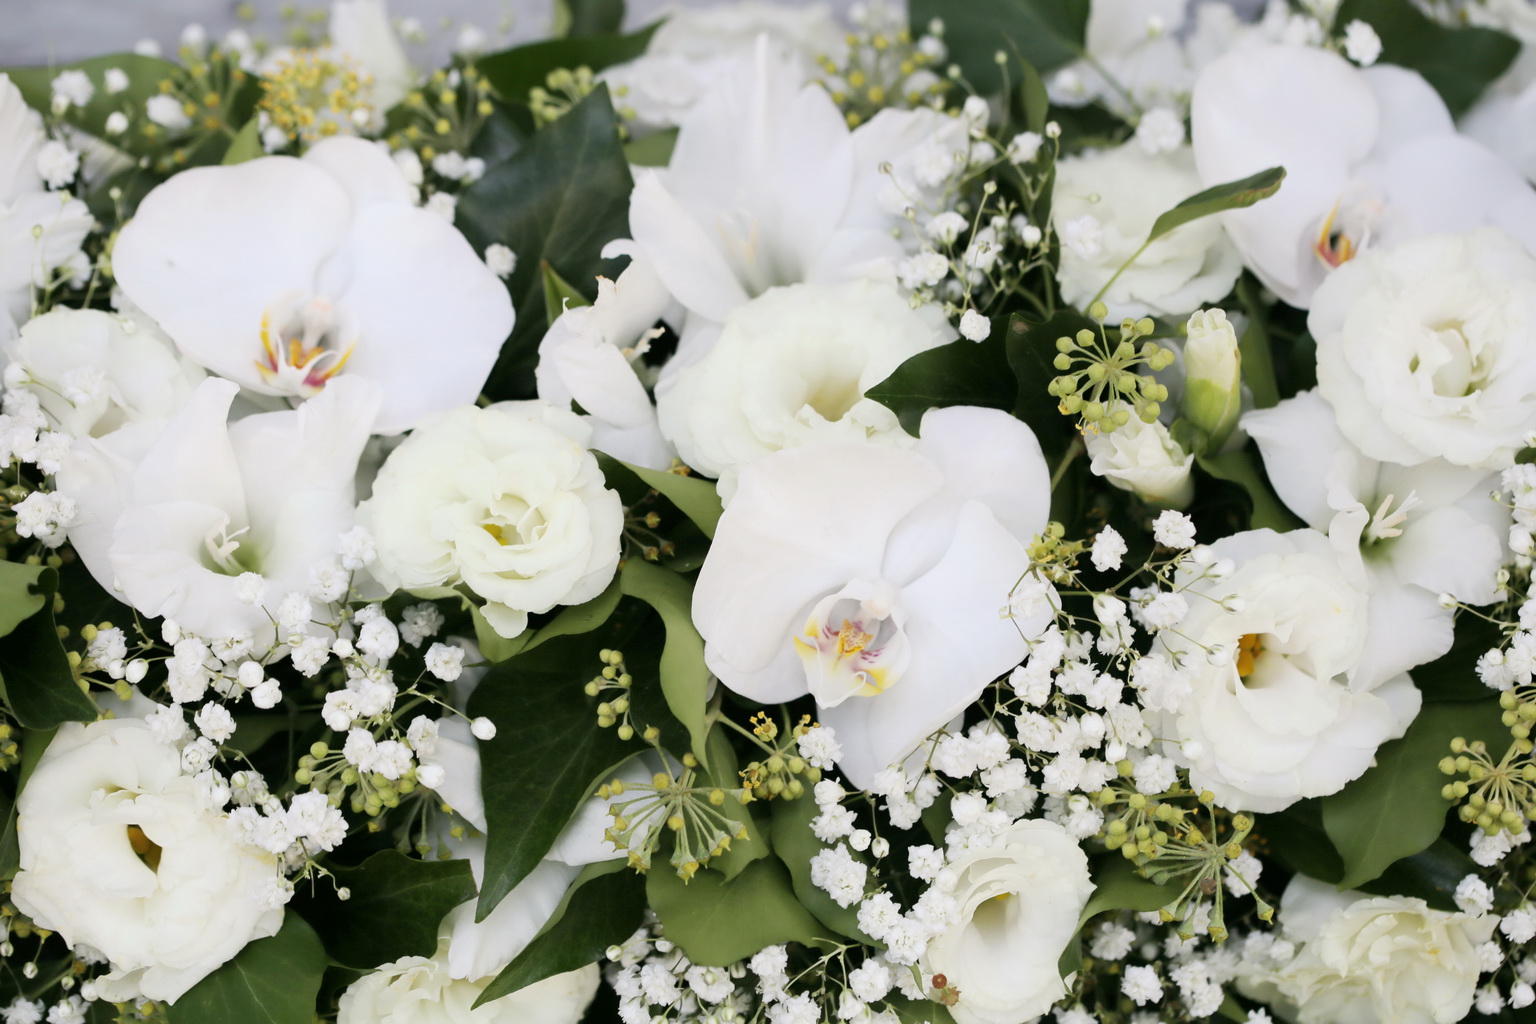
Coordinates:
[513,73]
[717,922]
[1395,809]
[559,294]
[1046,33]
[795,844]
[271,981]
[684,676]
[1459,61]
[603,907]
[1232,195]
[35,676]
[1241,468]
[721,771]
[395,905]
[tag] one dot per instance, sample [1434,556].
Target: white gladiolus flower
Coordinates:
[1143,458]
[180,509]
[505,500]
[1019,901]
[871,578]
[1301,698]
[419,990]
[790,370]
[119,852]
[93,372]
[283,274]
[1125,190]
[1428,350]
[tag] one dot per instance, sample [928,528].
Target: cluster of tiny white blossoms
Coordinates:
[27,439]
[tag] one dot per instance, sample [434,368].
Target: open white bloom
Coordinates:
[1136,44]
[1428,350]
[419,990]
[1281,707]
[26,205]
[1125,190]
[1143,458]
[790,369]
[93,372]
[1020,897]
[1364,959]
[121,852]
[873,577]
[283,274]
[505,500]
[592,356]
[360,29]
[174,512]
[1371,159]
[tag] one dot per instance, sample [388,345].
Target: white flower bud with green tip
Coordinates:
[1213,377]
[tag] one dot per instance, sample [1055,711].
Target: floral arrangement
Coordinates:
[1005,510]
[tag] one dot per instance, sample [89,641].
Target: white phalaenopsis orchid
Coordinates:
[282,274]
[26,206]
[173,512]
[1371,159]
[872,578]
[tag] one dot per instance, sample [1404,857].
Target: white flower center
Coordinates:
[304,343]
[853,644]
[221,545]
[1453,363]
[1385,523]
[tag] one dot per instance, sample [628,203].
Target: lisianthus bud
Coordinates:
[1213,375]
[1145,459]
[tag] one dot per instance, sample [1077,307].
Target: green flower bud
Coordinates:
[1212,375]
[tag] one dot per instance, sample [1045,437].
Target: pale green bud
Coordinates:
[1212,375]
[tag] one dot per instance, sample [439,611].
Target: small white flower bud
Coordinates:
[483,728]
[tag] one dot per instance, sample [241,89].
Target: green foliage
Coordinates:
[35,677]
[717,922]
[246,144]
[555,201]
[587,17]
[560,295]
[569,621]
[721,770]
[1460,62]
[22,593]
[394,909]
[1046,34]
[684,677]
[1117,886]
[1242,468]
[271,981]
[513,73]
[653,149]
[693,496]
[1431,875]
[1395,809]
[604,906]
[1453,675]
[796,844]
[144,77]
[1231,195]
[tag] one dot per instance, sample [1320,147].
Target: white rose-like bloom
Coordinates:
[1365,959]
[419,990]
[506,500]
[1143,458]
[790,369]
[94,372]
[1126,190]
[282,274]
[120,852]
[1428,350]
[872,578]
[1020,899]
[1288,712]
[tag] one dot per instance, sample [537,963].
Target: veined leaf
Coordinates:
[271,981]
[717,922]
[684,676]
[394,908]
[1233,195]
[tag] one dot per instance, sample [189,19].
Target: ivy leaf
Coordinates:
[271,981]
[1031,349]
[603,906]
[1395,809]
[1453,675]
[1233,195]
[35,676]
[1045,33]
[693,496]
[1459,61]
[684,676]
[394,909]
[1431,875]
[964,372]
[717,922]
[796,844]
[1117,886]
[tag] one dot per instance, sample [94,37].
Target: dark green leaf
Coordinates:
[558,200]
[1431,875]
[10,854]
[569,621]
[1117,886]
[1045,33]
[515,72]
[1031,349]
[694,496]
[603,907]
[21,594]
[394,910]
[1034,99]
[1233,195]
[653,150]
[721,771]
[560,295]
[144,77]
[684,676]
[795,844]
[1297,840]
[1257,361]
[1460,62]
[964,372]
[246,144]
[1453,675]
[1395,809]
[919,1012]
[39,686]
[270,981]
[717,922]
[588,17]
[1241,468]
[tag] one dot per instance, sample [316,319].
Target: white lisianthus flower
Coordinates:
[1125,190]
[505,500]
[282,274]
[1428,350]
[94,372]
[1143,458]
[419,990]
[174,512]
[27,205]
[1280,707]
[790,369]
[874,579]
[120,852]
[1020,897]
[1374,958]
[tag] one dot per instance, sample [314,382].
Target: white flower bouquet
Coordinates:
[1005,510]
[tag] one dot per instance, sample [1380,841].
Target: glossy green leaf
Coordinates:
[915,1012]
[1459,61]
[1453,675]
[560,295]
[1241,468]
[1432,875]
[144,77]
[394,909]
[964,372]
[684,676]
[10,853]
[1117,886]
[1232,195]
[557,200]
[271,981]
[246,144]
[717,922]
[513,73]
[721,770]
[653,149]
[1258,361]
[693,496]
[1395,809]
[1031,346]
[39,686]
[795,844]
[569,621]
[1045,33]
[603,907]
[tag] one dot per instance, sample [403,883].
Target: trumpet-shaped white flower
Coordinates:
[282,274]
[420,990]
[173,512]
[874,578]
[1371,159]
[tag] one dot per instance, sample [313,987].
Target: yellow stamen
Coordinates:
[1248,650]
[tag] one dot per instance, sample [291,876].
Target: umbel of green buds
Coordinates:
[1213,376]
